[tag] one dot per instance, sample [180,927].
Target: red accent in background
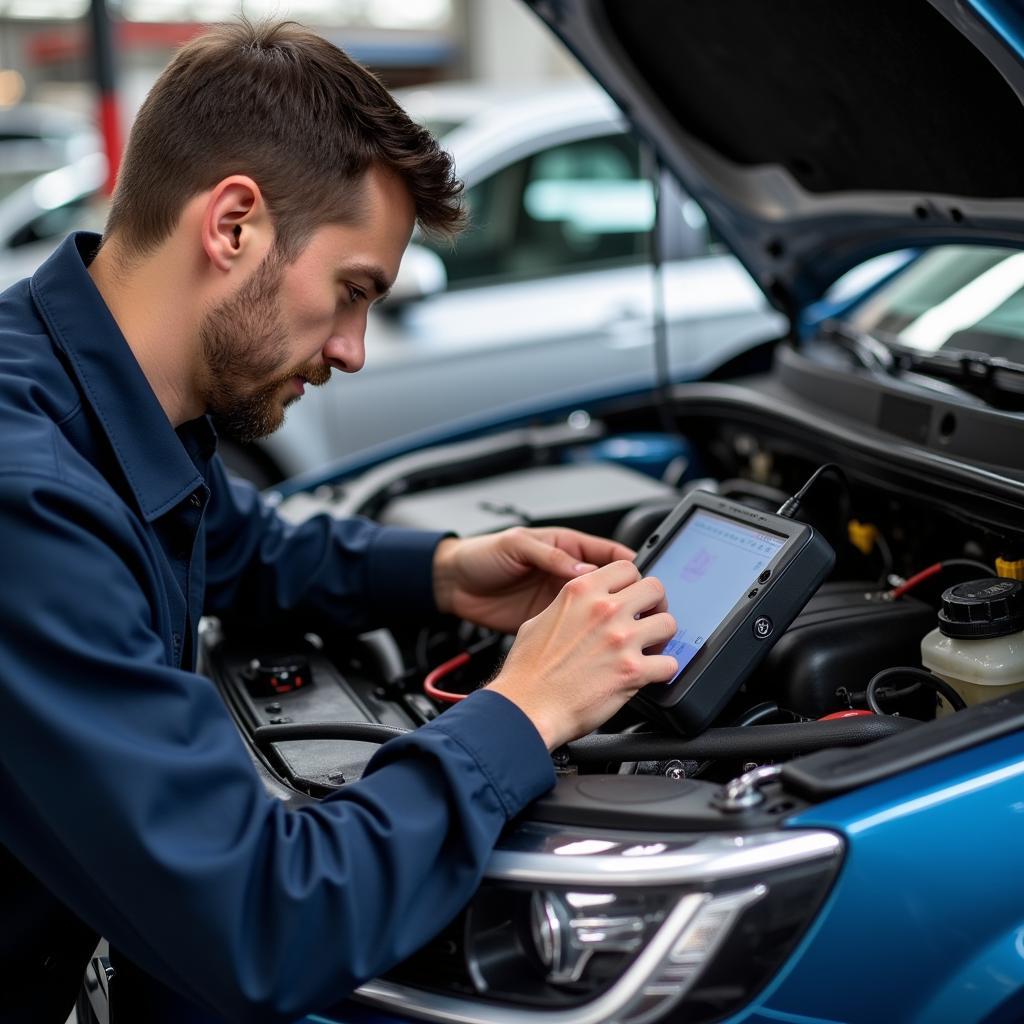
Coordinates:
[110,126]
[52,46]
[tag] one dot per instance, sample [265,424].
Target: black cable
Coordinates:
[886,554]
[828,467]
[758,713]
[968,563]
[738,488]
[791,506]
[918,675]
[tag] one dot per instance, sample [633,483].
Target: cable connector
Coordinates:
[789,508]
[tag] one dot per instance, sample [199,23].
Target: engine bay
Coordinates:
[314,707]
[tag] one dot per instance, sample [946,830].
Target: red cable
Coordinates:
[849,713]
[918,577]
[429,683]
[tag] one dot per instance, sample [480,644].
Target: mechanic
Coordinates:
[268,190]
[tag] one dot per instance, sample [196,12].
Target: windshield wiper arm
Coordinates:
[992,378]
[997,381]
[869,352]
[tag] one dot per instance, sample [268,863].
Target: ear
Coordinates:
[237,230]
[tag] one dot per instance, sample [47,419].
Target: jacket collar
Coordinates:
[154,457]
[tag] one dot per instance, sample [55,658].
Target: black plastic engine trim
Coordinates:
[656,804]
[865,453]
[831,773]
[364,732]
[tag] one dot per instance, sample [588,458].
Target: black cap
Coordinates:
[981,609]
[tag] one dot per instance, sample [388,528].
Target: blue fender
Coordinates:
[988,984]
[925,919]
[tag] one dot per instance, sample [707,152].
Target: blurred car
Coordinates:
[787,864]
[35,138]
[35,216]
[549,292]
[52,172]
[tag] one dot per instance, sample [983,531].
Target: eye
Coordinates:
[355,294]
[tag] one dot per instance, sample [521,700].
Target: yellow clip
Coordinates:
[863,536]
[1011,570]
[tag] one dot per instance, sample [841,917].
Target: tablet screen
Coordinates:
[706,568]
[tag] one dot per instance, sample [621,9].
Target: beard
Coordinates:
[244,345]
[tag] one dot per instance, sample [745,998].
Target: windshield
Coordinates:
[967,298]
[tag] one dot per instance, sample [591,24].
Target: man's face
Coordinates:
[289,324]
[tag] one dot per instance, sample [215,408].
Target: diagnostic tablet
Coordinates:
[735,578]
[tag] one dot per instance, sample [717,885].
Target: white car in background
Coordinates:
[52,173]
[550,291]
[35,216]
[36,138]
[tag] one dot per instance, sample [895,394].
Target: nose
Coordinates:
[346,352]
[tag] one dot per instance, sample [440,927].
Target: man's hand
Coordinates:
[575,664]
[502,579]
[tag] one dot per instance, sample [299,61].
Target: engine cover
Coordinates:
[846,633]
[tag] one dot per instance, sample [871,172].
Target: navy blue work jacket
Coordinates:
[129,806]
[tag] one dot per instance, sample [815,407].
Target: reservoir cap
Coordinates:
[982,609]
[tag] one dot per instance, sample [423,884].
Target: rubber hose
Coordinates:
[753,743]
[364,732]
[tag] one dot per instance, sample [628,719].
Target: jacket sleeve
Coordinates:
[329,572]
[130,795]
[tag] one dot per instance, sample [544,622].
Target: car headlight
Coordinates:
[583,928]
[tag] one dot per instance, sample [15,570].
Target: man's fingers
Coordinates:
[554,560]
[613,577]
[601,551]
[659,668]
[586,548]
[643,596]
[654,630]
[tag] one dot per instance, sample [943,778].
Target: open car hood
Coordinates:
[818,134]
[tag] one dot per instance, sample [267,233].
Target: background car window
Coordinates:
[953,297]
[576,206]
[11,181]
[51,225]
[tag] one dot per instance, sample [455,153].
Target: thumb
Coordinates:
[553,560]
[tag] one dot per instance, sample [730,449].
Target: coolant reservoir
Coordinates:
[978,647]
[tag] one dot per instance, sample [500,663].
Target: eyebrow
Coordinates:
[381,284]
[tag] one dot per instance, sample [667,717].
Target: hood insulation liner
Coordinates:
[847,95]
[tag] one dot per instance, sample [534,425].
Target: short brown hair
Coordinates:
[280,104]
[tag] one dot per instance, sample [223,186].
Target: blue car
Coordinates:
[843,840]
